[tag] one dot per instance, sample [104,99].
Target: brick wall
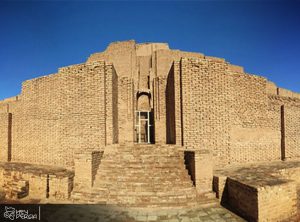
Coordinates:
[5,137]
[178,104]
[285,111]
[42,181]
[126,109]
[276,203]
[273,202]
[226,111]
[160,86]
[122,55]
[255,135]
[205,94]
[292,131]
[86,167]
[67,112]
[111,105]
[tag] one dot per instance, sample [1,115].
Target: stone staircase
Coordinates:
[141,176]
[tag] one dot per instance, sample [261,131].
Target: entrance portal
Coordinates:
[143,126]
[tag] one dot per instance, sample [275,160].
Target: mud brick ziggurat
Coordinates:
[142,125]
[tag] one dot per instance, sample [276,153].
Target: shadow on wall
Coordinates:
[9,137]
[170,108]
[225,202]
[189,162]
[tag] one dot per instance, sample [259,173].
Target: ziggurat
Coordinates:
[141,125]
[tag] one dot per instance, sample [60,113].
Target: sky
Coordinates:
[38,37]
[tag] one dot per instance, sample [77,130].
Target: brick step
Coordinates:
[207,195]
[148,200]
[88,199]
[144,202]
[141,165]
[167,186]
[148,188]
[143,162]
[137,183]
[154,191]
[155,172]
[146,151]
[152,195]
[146,148]
[161,205]
[152,153]
[141,170]
[137,179]
[160,156]
[207,199]
[141,173]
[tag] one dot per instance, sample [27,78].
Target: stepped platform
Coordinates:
[20,180]
[145,176]
[262,191]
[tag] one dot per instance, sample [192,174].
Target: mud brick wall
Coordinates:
[160,86]
[226,111]
[14,184]
[288,108]
[111,104]
[37,185]
[126,109]
[255,132]
[205,95]
[122,55]
[63,113]
[86,166]
[276,203]
[203,170]
[272,202]
[287,93]
[164,58]
[5,137]
[41,184]
[178,104]
[4,107]
[292,131]
[60,187]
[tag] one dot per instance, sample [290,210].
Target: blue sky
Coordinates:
[36,38]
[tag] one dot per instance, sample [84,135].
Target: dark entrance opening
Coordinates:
[144,127]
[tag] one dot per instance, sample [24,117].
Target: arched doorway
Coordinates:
[143,119]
